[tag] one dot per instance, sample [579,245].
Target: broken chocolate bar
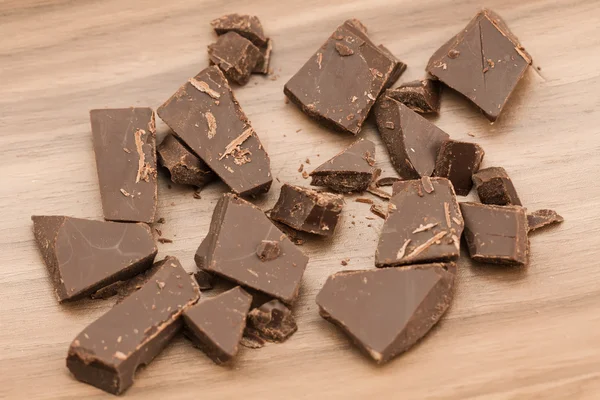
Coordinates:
[184,166]
[308,210]
[385,312]
[230,250]
[125,148]
[421,96]
[109,351]
[398,68]
[84,256]
[458,161]
[484,62]
[349,171]
[339,84]
[235,55]
[496,234]
[262,66]
[542,218]
[412,141]
[204,279]
[424,224]
[248,26]
[216,325]
[205,115]
[494,186]
[273,321]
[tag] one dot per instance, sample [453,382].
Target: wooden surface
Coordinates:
[511,333]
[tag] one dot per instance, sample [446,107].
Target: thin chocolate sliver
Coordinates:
[458,161]
[205,115]
[387,181]
[421,96]
[83,256]
[542,218]
[494,186]
[184,166]
[236,56]
[386,311]
[125,148]
[109,351]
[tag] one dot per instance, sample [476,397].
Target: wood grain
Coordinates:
[510,334]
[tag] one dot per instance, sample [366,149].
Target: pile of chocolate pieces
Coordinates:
[384,310]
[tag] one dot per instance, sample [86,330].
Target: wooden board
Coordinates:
[530,333]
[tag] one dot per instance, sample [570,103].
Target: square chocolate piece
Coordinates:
[248,26]
[340,83]
[235,55]
[496,234]
[484,62]
[421,96]
[494,186]
[458,161]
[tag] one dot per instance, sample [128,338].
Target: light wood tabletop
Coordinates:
[509,334]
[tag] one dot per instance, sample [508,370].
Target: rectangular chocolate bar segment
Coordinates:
[205,115]
[108,352]
[340,83]
[496,234]
[125,148]
[424,224]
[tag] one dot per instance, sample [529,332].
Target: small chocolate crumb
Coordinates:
[197,195]
[378,210]
[307,161]
[305,175]
[301,168]
[364,200]
[164,240]
[158,231]
[161,220]
[344,262]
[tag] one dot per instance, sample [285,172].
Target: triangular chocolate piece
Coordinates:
[216,325]
[231,249]
[542,218]
[412,141]
[84,256]
[350,170]
[387,311]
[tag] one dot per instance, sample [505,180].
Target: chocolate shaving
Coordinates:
[378,210]
[427,185]
[236,142]
[379,193]
[423,228]
[212,125]
[204,88]
[403,249]
[164,240]
[419,249]
[364,200]
[447,212]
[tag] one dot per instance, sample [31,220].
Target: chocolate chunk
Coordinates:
[83,256]
[273,321]
[379,210]
[216,325]
[204,279]
[542,218]
[184,166]
[340,82]
[235,55]
[421,96]
[108,352]
[268,250]
[252,339]
[422,225]
[125,148]
[206,116]
[412,141]
[458,161]
[494,186]
[349,171]
[248,26]
[484,62]
[262,66]
[236,230]
[496,234]
[387,181]
[308,210]
[386,311]
[398,68]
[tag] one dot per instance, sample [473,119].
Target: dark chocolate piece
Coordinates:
[412,141]
[236,230]
[235,55]
[387,181]
[125,148]
[124,288]
[424,224]
[268,250]
[206,116]
[496,234]
[484,62]
[422,96]
[216,325]
[83,256]
[351,170]
[108,352]
[204,279]
[273,321]
[398,68]
[458,161]
[248,26]
[262,66]
[542,218]
[252,339]
[339,84]
[386,311]
[184,166]
[308,210]
[494,186]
